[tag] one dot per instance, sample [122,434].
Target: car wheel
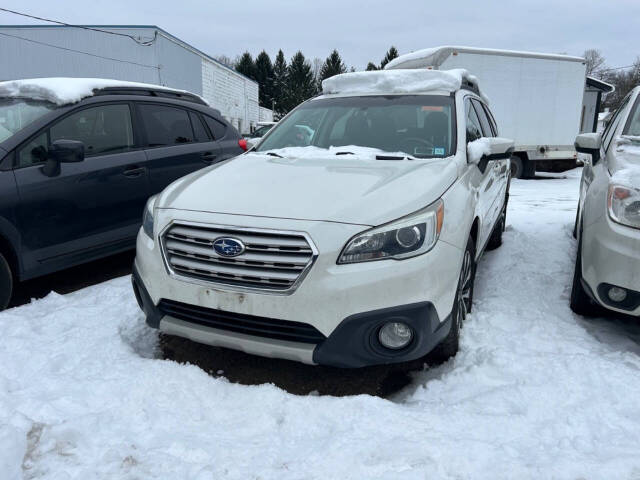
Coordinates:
[575,225]
[461,306]
[495,240]
[6,283]
[517,167]
[580,301]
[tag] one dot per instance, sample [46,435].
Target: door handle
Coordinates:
[209,157]
[133,171]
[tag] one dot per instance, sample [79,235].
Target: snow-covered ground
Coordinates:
[535,392]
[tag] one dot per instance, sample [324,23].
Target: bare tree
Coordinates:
[223,59]
[595,61]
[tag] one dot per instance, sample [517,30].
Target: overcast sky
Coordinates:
[363,31]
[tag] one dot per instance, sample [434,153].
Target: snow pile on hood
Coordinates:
[347,151]
[628,161]
[63,91]
[396,81]
[478,148]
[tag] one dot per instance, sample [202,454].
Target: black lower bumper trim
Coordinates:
[354,343]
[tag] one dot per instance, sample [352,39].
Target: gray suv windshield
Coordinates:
[15,114]
[422,126]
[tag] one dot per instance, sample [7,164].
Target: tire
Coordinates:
[580,302]
[6,283]
[517,167]
[495,240]
[461,307]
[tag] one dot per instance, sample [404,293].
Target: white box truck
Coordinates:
[537,98]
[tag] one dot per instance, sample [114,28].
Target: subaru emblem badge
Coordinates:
[228,247]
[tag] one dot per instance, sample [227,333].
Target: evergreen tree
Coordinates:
[246,66]
[391,54]
[371,66]
[333,65]
[300,82]
[279,84]
[265,79]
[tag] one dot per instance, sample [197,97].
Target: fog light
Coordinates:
[617,294]
[395,335]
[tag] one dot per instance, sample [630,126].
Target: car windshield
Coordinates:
[633,126]
[421,126]
[17,113]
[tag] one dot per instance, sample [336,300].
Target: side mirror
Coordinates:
[252,142]
[589,143]
[66,151]
[489,148]
[62,151]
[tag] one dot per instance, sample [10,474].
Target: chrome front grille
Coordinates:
[273,260]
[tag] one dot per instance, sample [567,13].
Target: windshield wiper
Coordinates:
[392,157]
[345,153]
[274,154]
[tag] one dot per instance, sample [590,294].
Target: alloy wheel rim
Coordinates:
[464,289]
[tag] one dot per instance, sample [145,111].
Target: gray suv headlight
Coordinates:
[406,237]
[147,218]
[624,205]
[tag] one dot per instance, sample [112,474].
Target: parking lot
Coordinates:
[535,388]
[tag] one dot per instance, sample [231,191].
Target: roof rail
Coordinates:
[151,92]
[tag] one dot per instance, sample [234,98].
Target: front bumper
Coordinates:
[345,303]
[611,257]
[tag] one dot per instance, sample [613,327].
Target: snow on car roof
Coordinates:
[436,55]
[397,81]
[62,91]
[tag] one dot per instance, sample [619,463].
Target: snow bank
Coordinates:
[478,148]
[396,81]
[535,392]
[62,91]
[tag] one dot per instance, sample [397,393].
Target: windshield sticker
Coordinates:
[438,151]
[431,108]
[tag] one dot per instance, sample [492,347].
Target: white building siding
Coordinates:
[234,95]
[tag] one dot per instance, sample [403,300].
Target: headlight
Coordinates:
[624,205]
[147,218]
[406,237]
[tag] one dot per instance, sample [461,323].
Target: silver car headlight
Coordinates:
[406,237]
[147,217]
[624,205]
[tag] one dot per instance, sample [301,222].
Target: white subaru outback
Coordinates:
[607,271]
[348,237]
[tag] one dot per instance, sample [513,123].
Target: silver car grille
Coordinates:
[273,261]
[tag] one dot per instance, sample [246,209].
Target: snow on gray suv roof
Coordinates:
[398,81]
[62,91]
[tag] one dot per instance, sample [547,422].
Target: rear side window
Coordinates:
[166,125]
[103,129]
[484,120]
[474,128]
[218,129]
[199,131]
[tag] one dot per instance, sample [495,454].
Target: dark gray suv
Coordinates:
[74,178]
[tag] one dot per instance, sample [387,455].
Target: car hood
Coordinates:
[625,166]
[342,189]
